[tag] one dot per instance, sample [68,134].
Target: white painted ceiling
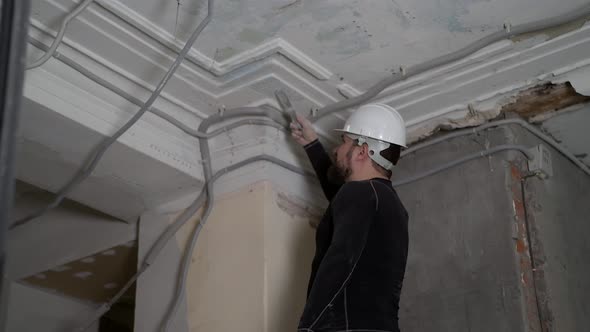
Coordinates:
[359,41]
[318,51]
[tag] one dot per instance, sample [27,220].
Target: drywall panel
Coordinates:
[30,309]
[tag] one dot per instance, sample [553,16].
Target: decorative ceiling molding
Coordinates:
[273,48]
[116,43]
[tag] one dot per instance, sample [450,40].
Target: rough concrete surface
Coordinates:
[461,273]
[488,253]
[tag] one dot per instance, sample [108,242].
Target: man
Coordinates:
[362,240]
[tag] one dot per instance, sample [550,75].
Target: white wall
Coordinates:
[31,309]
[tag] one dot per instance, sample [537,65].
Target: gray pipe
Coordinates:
[372,92]
[208,174]
[60,35]
[521,148]
[519,122]
[91,163]
[171,230]
[527,28]
[122,93]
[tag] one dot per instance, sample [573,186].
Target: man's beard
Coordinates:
[338,173]
[335,175]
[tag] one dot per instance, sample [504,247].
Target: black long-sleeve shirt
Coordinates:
[361,253]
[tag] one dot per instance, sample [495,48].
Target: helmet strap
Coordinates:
[375,148]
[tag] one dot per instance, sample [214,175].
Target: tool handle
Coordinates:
[286,106]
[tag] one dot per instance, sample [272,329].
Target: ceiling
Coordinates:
[357,41]
[320,52]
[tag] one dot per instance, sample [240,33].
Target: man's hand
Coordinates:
[305,133]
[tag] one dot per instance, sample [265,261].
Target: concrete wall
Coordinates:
[462,272]
[558,214]
[490,254]
[31,309]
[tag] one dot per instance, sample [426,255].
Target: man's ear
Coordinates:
[364,151]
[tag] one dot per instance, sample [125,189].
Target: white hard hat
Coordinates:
[378,125]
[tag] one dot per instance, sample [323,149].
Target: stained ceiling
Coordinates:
[358,41]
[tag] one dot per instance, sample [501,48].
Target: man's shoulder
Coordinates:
[357,191]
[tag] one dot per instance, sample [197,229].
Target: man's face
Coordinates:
[343,157]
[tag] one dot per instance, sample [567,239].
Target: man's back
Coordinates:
[361,253]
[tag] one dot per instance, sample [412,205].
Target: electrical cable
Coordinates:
[372,92]
[376,89]
[520,122]
[521,148]
[508,32]
[92,162]
[185,216]
[60,35]
[208,174]
[136,101]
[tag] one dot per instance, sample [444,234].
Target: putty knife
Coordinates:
[285,104]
